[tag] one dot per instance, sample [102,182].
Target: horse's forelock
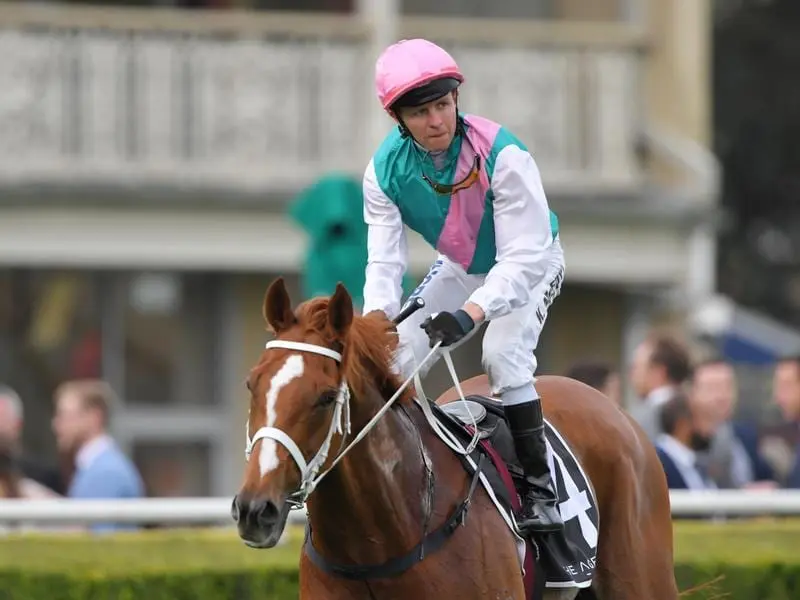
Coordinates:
[367,349]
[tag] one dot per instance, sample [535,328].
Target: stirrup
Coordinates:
[529,521]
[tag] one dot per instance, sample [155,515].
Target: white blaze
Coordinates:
[291,369]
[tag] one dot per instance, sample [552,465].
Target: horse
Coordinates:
[394,512]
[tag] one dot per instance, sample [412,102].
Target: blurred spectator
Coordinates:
[80,424]
[21,476]
[600,376]
[733,460]
[661,365]
[685,433]
[780,444]
[786,388]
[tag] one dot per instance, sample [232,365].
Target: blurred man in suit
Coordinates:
[661,365]
[685,433]
[781,443]
[102,470]
[733,460]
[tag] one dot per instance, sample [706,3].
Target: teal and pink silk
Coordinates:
[460,226]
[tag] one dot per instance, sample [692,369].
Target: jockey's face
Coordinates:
[433,124]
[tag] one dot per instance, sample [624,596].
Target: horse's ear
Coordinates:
[277,309]
[340,311]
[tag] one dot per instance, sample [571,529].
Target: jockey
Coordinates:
[473,192]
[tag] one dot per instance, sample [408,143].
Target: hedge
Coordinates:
[752,560]
[757,560]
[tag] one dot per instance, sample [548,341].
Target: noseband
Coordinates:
[340,423]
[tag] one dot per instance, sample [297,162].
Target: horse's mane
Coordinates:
[368,348]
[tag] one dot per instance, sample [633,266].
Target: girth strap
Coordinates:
[393,567]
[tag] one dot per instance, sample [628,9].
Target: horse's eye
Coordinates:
[327,398]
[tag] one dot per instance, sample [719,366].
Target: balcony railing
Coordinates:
[261,103]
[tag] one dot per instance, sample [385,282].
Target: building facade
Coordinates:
[148,156]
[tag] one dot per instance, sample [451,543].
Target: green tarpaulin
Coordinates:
[331,213]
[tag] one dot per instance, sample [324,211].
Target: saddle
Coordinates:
[490,417]
[567,559]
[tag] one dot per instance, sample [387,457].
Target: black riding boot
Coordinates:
[539,512]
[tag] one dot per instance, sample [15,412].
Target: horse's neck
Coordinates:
[372,506]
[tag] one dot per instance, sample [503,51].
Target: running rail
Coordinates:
[216,511]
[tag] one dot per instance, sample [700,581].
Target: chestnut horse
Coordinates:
[392,512]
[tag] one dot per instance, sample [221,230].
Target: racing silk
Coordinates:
[500,226]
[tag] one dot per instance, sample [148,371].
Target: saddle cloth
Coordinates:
[567,560]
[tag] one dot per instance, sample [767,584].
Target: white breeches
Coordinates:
[510,341]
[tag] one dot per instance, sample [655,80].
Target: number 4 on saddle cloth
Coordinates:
[567,559]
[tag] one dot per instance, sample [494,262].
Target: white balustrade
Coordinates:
[270,111]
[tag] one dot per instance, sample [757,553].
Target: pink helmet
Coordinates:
[410,64]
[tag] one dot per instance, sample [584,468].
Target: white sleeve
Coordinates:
[523,234]
[387,250]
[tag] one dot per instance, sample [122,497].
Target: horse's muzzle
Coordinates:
[260,521]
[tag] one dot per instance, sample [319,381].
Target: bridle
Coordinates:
[340,422]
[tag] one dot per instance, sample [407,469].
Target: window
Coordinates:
[166,337]
[170,328]
[174,469]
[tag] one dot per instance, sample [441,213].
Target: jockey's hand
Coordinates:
[447,327]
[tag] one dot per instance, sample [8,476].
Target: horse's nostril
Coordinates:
[268,513]
[253,514]
[243,508]
[236,510]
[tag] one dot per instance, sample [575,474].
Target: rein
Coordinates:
[340,423]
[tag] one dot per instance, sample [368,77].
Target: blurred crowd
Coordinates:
[690,411]
[92,465]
